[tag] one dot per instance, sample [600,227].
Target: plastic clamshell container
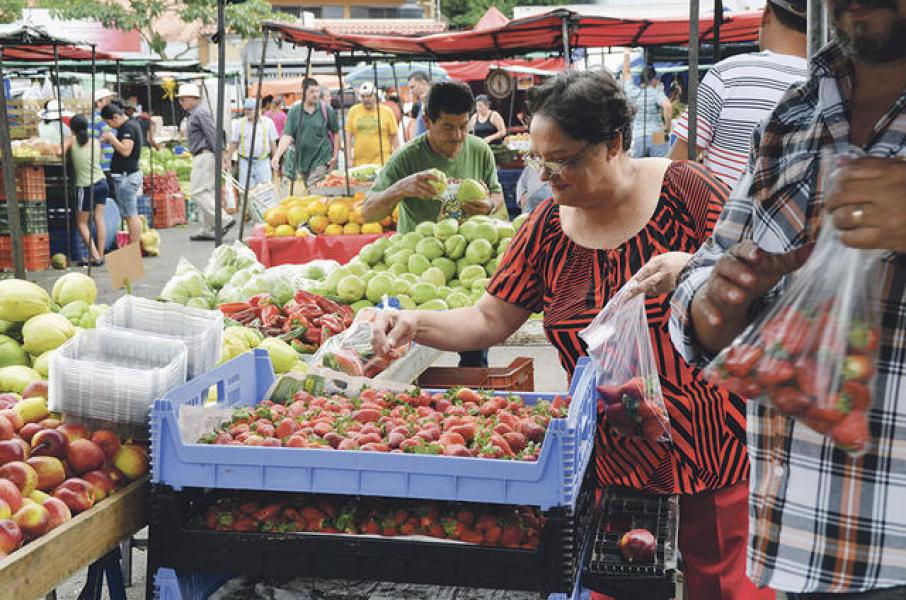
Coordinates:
[553,480]
[114,375]
[197,586]
[200,330]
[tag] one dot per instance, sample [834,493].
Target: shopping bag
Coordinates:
[352,351]
[629,389]
[812,354]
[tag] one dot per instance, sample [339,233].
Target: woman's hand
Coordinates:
[393,328]
[659,274]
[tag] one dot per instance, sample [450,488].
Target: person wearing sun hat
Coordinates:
[368,146]
[49,127]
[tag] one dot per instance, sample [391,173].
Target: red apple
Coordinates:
[33,519]
[58,511]
[116,476]
[29,430]
[50,471]
[10,536]
[10,451]
[26,449]
[8,400]
[10,494]
[103,485]
[38,497]
[22,474]
[37,389]
[76,493]
[14,418]
[6,429]
[50,442]
[50,423]
[638,546]
[132,460]
[84,455]
[75,431]
[5,511]
[107,441]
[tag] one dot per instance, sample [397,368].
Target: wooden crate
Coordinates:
[37,568]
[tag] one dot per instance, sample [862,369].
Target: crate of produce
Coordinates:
[32,217]
[519,376]
[608,570]
[30,184]
[551,480]
[201,331]
[261,535]
[114,374]
[169,210]
[35,250]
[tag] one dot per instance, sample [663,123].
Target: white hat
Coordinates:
[188,90]
[103,93]
[366,89]
[53,112]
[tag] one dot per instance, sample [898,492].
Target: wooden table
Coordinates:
[38,568]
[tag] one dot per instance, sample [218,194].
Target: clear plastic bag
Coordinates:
[629,389]
[225,261]
[812,354]
[188,287]
[352,351]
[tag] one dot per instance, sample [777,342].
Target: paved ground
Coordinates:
[549,376]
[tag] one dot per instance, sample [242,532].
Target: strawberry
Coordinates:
[470,536]
[790,400]
[493,535]
[465,395]
[856,366]
[774,371]
[511,536]
[851,433]
[856,394]
[741,359]
[863,338]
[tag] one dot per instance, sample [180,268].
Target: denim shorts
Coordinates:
[128,189]
[100,196]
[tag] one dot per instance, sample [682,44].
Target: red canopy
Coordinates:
[491,19]
[45,53]
[521,36]
[477,70]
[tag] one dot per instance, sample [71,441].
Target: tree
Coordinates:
[243,19]
[11,10]
[465,13]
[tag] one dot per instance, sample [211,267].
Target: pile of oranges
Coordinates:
[302,216]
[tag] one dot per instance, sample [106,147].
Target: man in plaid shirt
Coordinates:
[823,525]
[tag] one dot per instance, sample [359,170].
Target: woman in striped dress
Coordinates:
[610,216]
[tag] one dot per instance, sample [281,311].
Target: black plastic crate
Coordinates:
[605,570]
[552,567]
[32,217]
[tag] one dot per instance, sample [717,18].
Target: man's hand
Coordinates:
[659,274]
[108,137]
[477,207]
[275,163]
[332,163]
[743,274]
[416,186]
[866,201]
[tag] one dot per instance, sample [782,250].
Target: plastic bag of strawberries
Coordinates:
[629,390]
[812,354]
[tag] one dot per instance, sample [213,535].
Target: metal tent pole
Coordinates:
[343,122]
[564,26]
[119,89]
[308,64]
[56,60]
[248,174]
[693,78]
[816,26]
[218,141]
[102,244]
[9,183]
[150,153]
[377,98]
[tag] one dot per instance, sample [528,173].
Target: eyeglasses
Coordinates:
[555,167]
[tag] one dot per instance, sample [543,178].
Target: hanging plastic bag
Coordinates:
[629,389]
[352,351]
[812,354]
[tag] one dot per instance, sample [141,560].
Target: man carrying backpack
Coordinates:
[311,129]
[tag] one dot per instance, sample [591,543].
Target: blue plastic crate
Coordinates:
[553,480]
[144,208]
[168,585]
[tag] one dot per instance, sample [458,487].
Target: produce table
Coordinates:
[273,251]
[37,568]
[338,191]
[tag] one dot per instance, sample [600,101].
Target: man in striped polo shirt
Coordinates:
[740,92]
[102,98]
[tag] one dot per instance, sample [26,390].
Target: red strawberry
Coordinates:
[741,359]
[852,433]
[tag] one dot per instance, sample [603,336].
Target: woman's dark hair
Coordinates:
[79,127]
[451,97]
[587,106]
[267,101]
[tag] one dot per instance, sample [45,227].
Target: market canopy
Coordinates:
[30,42]
[478,70]
[543,32]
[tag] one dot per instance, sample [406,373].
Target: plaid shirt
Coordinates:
[820,521]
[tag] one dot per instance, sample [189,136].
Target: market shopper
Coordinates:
[201,137]
[487,123]
[419,86]
[124,166]
[740,92]
[49,127]
[654,111]
[531,191]
[609,216]
[825,525]
[86,162]
[102,98]
[257,154]
[362,126]
[272,107]
[312,129]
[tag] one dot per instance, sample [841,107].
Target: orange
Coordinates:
[338,213]
[333,229]
[284,230]
[275,216]
[372,228]
[351,229]
[318,223]
[303,232]
[317,207]
[297,215]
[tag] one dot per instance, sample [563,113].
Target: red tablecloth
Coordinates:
[273,251]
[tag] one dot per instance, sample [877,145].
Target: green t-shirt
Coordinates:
[474,161]
[81,161]
[309,131]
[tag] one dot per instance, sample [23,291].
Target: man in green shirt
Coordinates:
[311,128]
[446,146]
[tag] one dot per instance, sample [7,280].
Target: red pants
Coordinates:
[713,533]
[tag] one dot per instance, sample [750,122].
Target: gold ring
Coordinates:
[858,215]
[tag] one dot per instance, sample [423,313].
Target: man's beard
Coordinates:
[866,46]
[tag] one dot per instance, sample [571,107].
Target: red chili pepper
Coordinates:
[327,305]
[302,347]
[312,336]
[295,320]
[260,300]
[332,322]
[271,316]
[232,308]
[348,315]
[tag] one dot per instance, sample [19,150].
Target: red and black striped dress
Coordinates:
[544,270]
